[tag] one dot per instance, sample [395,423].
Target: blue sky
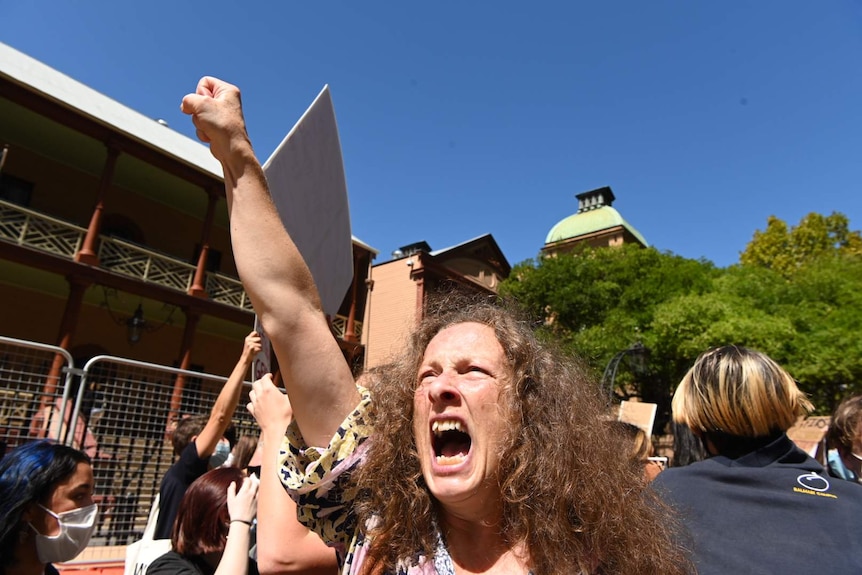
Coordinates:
[459,119]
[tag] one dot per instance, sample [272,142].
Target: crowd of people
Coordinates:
[478,449]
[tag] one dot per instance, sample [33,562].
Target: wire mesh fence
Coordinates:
[118,411]
[35,388]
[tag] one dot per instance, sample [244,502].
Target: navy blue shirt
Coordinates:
[774,510]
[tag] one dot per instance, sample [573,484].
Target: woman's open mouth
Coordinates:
[451,443]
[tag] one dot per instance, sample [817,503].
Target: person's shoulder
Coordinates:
[51,570]
[190,464]
[190,453]
[674,474]
[851,490]
[172,563]
[683,483]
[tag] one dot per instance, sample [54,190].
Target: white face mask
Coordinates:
[76,527]
[218,457]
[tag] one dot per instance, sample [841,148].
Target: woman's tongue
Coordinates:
[453,449]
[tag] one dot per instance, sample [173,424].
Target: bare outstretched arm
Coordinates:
[272,270]
[227,400]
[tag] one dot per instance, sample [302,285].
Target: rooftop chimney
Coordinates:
[595,199]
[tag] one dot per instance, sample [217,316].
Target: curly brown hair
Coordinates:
[570,495]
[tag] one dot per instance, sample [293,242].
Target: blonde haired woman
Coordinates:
[757,504]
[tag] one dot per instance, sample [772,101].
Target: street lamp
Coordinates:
[637,354]
[136,325]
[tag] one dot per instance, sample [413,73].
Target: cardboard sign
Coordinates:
[809,434]
[307,183]
[261,364]
[638,413]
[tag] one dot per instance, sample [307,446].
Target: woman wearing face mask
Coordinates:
[47,512]
[211,535]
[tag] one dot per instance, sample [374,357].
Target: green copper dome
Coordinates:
[594,215]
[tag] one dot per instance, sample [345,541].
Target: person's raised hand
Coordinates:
[252,344]
[269,406]
[242,504]
[216,111]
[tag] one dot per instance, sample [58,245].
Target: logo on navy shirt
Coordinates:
[813,481]
[813,484]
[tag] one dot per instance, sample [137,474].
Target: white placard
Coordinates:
[638,413]
[308,186]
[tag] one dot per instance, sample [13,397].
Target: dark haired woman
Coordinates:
[211,532]
[47,512]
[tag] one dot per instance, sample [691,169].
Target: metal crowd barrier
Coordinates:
[116,410]
[32,402]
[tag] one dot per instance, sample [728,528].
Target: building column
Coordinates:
[192,318]
[198,288]
[87,253]
[77,288]
[350,328]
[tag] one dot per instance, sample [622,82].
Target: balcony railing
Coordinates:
[34,230]
[148,266]
[339,326]
[227,290]
[28,228]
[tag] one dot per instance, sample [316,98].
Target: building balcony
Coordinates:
[34,230]
[31,229]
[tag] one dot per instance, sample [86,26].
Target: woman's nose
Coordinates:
[443,389]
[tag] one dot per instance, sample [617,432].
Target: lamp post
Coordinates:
[637,353]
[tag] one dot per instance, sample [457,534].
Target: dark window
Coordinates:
[123,228]
[15,190]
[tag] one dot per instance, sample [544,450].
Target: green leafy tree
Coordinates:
[597,302]
[788,250]
[824,302]
[820,261]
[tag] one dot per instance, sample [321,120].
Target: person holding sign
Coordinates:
[199,443]
[758,503]
[478,451]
